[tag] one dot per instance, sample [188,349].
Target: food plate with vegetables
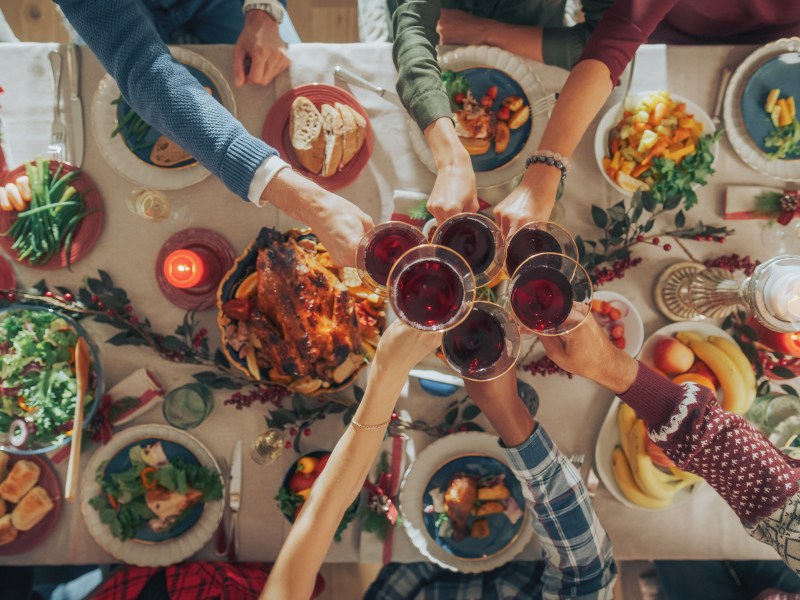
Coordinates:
[500,514]
[152,496]
[746,130]
[654,127]
[38,386]
[51,214]
[288,316]
[141,154]
[479,70]
[620,319]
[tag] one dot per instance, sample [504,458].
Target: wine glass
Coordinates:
[268,446]
[478,240]
[536,237]
[380,249]
[550,294]
[484,345]
[431,288]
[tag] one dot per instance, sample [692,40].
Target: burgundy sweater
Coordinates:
[630,23]
[758,481]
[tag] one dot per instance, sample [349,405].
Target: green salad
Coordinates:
[38,386]
[152,492]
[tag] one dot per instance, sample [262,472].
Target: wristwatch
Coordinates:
[272,7]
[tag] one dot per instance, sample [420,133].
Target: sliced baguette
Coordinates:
[361,123]
[166,153]
[333,125]
[349,133]
[306,134]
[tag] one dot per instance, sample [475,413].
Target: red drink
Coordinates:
[541,297]
[429,293]
[477,343]
[385,248]
[527,242]
[470,237]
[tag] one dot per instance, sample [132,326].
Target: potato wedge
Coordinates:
[502,135]
[519,117]
[513,103]
[475,146]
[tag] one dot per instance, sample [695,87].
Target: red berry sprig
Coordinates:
[271,394]
[733,262]
[544,366]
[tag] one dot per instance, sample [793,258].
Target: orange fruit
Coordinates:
[695,378]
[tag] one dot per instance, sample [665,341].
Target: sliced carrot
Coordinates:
[681,134]
[686,122]
[639,127]
[639,169]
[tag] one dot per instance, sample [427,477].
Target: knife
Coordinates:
[350,77]
[76,108]
[437,377]
[724,78]
[235,500]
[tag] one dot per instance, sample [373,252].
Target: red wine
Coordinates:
[385,249]
[429,293]
[525,244]
[477,343]
[472,239]
[541,297]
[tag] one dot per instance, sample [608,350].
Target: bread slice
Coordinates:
[3,464]
[349,133]
[7,532]
[31,509]
[166,153]
[306,134]
[3,507]
[361,123]
[333,125]
[23,476]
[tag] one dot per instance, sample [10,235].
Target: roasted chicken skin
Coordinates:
[458,502]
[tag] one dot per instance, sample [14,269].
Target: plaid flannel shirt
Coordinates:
[577,551]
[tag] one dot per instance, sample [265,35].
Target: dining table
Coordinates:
[571,409]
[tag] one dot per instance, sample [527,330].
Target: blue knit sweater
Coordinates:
[163,92]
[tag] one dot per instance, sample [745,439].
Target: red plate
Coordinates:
[276,132]
[85,235]
[7,277]
[27,540]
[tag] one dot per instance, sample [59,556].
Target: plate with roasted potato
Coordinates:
[289,316]
[464,510]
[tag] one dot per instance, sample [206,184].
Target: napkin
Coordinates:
[138,393]
[650,70]
[404,201]
[739,201]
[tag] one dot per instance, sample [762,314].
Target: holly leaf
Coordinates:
[680,219]
[599,216]
[790,390]
[470,412]
[127,338]
[782,372]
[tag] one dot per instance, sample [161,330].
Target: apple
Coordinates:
[701,368]
[323,460]
[301,481]
[672,357]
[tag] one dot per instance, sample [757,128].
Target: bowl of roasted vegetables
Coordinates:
[288,316]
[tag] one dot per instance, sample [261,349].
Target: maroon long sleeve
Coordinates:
[753,476]
[630,23]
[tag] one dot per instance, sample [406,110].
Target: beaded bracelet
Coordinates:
[554,159]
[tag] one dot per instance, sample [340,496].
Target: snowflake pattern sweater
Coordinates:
[759,482]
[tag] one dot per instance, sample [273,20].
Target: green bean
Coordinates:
[33,211]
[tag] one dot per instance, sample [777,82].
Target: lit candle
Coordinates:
[184,269]
[782,292]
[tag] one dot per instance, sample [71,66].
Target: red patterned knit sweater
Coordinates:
[758,481]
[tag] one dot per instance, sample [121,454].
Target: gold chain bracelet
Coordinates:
[378,426]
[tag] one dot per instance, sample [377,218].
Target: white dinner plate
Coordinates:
[413,488]
[119,156]
[631,320]
[149,554]
[735,128]
[521,73]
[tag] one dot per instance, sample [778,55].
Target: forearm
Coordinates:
[522,40]
[510,418]
[297,196]
[447,149]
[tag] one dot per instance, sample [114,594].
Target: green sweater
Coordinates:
[419,82]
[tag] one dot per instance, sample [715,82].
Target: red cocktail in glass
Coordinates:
[380,249]
[478,240]
[535,238]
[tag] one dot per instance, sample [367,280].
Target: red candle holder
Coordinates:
[190,266]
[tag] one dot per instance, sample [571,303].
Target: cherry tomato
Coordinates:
[492,92]
[503,113]
[458,98]
[614,314]
[617,331]
[619,343]
[486,102]
[301,481]
[238,308]
[323,460]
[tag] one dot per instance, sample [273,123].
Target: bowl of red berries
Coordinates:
[619,317]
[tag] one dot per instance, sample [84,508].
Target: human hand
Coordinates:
[455,189]
[259,43]
[401,346]
[340,225]
[587,351]
[531,200]
[459,27]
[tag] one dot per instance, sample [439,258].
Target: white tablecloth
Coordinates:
[571,410]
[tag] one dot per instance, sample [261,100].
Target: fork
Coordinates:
[58,133]
[221,537]
[591,479]
[544,104]
[577,460]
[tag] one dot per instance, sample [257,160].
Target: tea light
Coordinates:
[782,292]
[184,269]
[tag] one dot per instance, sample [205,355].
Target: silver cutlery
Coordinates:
[591,481]
[431,375]
[58,133]
[577,460]
[235,500]
[75,155]
[614,132]
[724,78]
[350,77]
[221,537]
[544,104]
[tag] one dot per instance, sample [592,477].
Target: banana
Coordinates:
[685,475]
[625,420]
[685,337]
[734,388]
[624,477]
[743,365]
[652,481]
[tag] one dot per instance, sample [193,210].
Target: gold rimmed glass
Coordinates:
[535,238]
[380,249]
[431,288]
[478,240]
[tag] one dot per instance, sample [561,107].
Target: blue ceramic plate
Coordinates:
[144,148]
[120,462]
[502,531]
[782,72]
[481,79]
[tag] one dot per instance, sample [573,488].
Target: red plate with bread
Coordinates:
[323,132]
[30,502]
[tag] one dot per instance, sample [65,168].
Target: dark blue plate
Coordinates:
[121,462]
[142,149]
[782,72]
[501,531]
[481,79]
